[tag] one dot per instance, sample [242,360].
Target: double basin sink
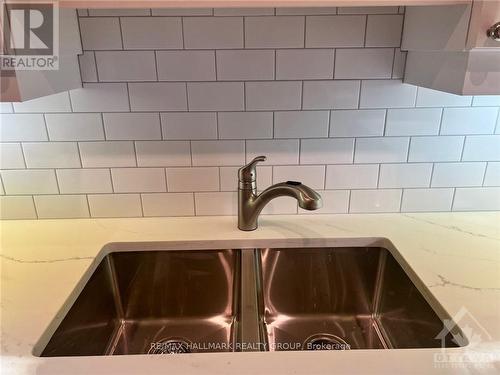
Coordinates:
[263,299]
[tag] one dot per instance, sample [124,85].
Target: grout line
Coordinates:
[142,204]
[194,204]
[111,180]
[187,97]
[366,30]
[393,63]
[156,65]
[441,116]
[334,62]
[378,175]
[121,31]
[453,198]
[244,32]
[329,131]
[57,182]
[34,206]
[463,148]
[432,175]
[301,95]
[275,72]
[182,33]
[135,153]
[305,29]
[88,204]
[485,170]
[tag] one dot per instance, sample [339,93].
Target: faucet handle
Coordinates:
[248,173]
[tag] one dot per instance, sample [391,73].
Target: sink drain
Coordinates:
[170,346]
[325,341]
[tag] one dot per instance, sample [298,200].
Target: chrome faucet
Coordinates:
[250,204]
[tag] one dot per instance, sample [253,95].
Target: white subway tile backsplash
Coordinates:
[157,96]
[213,32]
[405,175]
[245,125]
[22,127]
[182,12]
[384,30]
[335,31]
[189,125]
[310,175]
[61,206]
[477,199]
[168,204]
[186,65]
[372,201]
[115,205]
[51,103]
[138,126]
[357,123]
[423,149]
[74,126]
[151,32]
[273,95]
[218,153]
[115,66]
[100,97]
[274,32]
[107,154]
[433,98]
[387,94]
[364,63]
[334,202]
[6,108]
[18,182]
[458,174]
[51,155]
[398,68]
[11,156]
[329,151]
[350,176]
[78,181]
[304,63]
[301,124]
[368,10]
[101,33]
[278,151]
[243,12]
[413,121]
[118,12]
[492,177]
[248,65]
[331,94]
[133,180]
[486,100]
[216,96]
[482,147]
[469,120]
[381,150]
[305,11]
[192,179]
[426,200]
[219,203]
[163,153]
[17,208]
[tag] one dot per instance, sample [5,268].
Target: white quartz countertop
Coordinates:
[457,255]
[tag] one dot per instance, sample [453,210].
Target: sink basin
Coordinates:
[342,298]
[154,302]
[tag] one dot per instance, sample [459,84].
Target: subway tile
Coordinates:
[433,98]
[245,65]
[398,69]
[326,151]
[277,151]
[364,63]
[137,180]
[492,177]
[244,125]
[458,174]
[107,154]
[334,202]
[115,205]
[335,31]
[423,149]
[163,153]
[368,10]
[100,33]
[486,101]
[331,94]
[128,12]
[301,124]
[74,126]
[281,206]
[213,32]
[11,156]
[387,94]
[6,108]
[274,32]
[22,127]
[218,153]
[273,95]
[482,148]
[152,32]
[350,176]
[133,126]
[373,201]
[126,66]
[304,64]
[86,180]
[51,155]
[243,11]
[229,178]
[216,96]
[305,11]
[357,123]
[462,121]
[82,12]
[310,175]
[381,150]
[168,204]
[405,175]
[182,12]
[413,121]
[51,103]
[189,125]
[100,97]
[427,200]
[477,199]
[217,203]
[157,96]
[192,179]
[29,182]
[61,206]
[186,65]
[384,30]
[17,208]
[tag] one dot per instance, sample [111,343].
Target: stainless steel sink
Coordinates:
[157,301]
